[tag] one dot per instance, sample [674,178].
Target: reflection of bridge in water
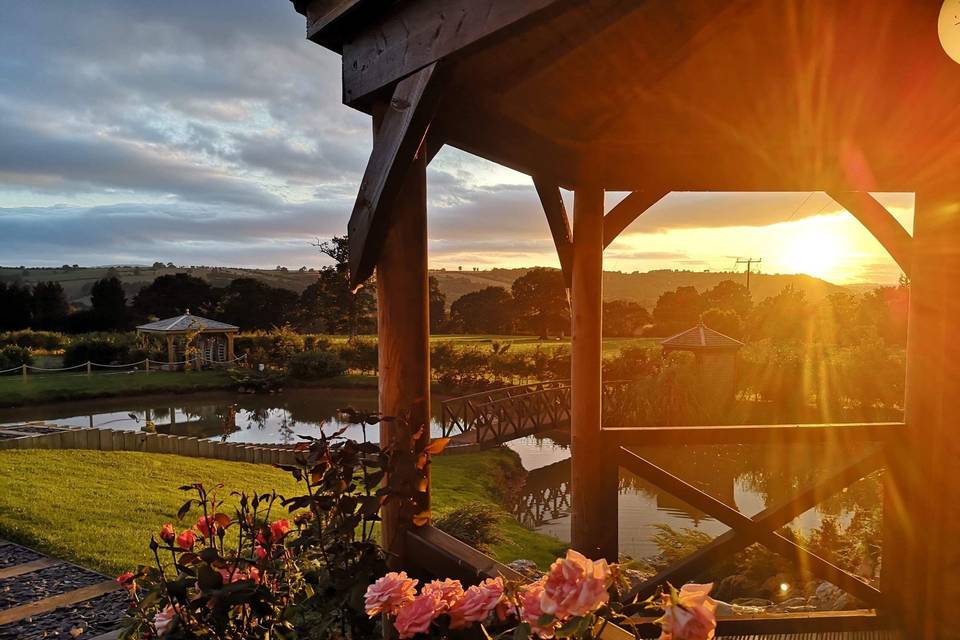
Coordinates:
[545,495]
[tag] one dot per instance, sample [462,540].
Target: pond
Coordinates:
[745,477]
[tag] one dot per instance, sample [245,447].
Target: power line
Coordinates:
[749,262]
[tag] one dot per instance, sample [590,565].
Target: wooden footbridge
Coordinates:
[490,418]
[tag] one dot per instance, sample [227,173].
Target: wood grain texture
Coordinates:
[626,211]
[880,223]
[559,223]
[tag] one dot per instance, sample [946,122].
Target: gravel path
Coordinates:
[13,554]
[84,620]
[45,583]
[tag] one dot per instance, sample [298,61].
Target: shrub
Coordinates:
[103,349]
[474,523]
[313,365]
[38,340]
[13,356]
[360,355]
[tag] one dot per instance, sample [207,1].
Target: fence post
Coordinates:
[23,369]
[146,365]
[89,367]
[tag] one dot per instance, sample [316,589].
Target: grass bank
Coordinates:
[99,509]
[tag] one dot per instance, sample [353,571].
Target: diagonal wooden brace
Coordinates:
[761,528]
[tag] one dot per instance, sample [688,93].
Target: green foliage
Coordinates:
[13,355]
[35,340]
[360,355]
[315,365]
[487,311]
[274,347]
[475,523]
[105,348]
[541,303]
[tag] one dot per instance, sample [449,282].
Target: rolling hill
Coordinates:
[644,288]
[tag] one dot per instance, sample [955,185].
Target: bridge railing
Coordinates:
[467,413]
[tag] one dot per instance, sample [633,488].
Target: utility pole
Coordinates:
[749,262]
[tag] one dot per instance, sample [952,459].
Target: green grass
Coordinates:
[610,345]
[44,388]
[99,509]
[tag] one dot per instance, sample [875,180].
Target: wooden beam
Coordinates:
[758,531]
[397,142]
[774,626]
[403,330]
[440,554]
[885,228]
[559,223]
[850,433]
[770,519]
[626,211]
[414,35]
[593,472]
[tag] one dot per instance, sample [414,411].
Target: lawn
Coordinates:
[17,391]
[99,509]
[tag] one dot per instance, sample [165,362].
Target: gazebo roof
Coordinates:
[700,338]
[187,322]
[649,97]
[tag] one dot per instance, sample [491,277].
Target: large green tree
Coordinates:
[487,311]
[252,304]
[677,310]
[624,318]
[328,305]
[16,303]
[438,307]
[541,301]
[173,294]
[49,306]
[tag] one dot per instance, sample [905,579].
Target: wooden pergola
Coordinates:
[848,97]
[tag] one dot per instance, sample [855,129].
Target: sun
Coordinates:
[813,247]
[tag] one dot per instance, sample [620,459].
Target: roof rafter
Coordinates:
[628,210]
[559,223]
[880,222]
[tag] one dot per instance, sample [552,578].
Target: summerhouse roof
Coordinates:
[186,322]
[698,338]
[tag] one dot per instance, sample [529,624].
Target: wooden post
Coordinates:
[921,511]
[230,355]
[23,370]
[171,355]
[593,470]
[146,365]
[403,329]
[89,368]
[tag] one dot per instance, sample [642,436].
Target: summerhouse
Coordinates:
[212,339]
[846,97]
[716,360]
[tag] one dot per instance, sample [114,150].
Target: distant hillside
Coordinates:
[644,288]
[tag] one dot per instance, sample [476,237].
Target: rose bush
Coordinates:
[572,601]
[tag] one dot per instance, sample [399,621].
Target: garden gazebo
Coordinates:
[214,338]
[849,98]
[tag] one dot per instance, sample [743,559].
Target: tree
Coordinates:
[252,304]
[438,306]
[781,317]
[624,318]
[726,321]
[173,294]
[15,306]
[677,310]
[487,311]
[329,305]
[109,305]
[728,295]
[541,301]
[49,305]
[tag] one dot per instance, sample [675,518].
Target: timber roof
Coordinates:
[187,322]
[700,338]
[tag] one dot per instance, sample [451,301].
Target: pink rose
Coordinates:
[389,593]
[164,620]
[477,603]
[126,581]
[692,617]
[206,525]
[260,552]
[279,529]
[167,533]
[531,611]
[575,586]
[448,592]
[186,540]
[415,617]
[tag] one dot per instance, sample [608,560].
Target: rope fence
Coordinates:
[143,366]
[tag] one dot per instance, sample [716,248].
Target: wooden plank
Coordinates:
[774,434]
[13,614]
[397,141]
[593,479]
[626,211]
[559,224]
[27,567]
[415,35]
[783,626]
[761,532]
[878,221]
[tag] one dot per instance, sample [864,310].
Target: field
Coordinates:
[119,499]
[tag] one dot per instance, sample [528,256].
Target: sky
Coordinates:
[180,131]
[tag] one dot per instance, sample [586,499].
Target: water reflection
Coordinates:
[746,477]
